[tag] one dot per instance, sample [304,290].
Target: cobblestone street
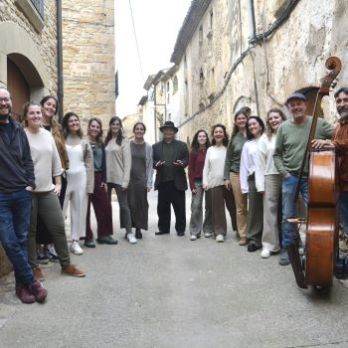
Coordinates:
[169,292]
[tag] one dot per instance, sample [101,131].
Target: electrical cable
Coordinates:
[136,41]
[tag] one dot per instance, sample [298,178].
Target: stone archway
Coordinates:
[20,48]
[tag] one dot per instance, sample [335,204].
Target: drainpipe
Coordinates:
[252,21]
[60,93]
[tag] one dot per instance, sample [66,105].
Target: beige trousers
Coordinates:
[271,201]
[241,205]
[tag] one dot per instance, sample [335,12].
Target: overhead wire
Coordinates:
[136,41]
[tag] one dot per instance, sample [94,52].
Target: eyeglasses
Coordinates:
[6,100]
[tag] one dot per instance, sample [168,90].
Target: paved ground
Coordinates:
[170,292]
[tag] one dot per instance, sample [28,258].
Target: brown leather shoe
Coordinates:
[243,241]
[73,271]
[38,274]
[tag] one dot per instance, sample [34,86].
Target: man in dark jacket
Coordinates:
[16,184]
[170,157]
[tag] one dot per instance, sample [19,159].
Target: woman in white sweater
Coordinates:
[269,180]
[248,164]
[213,182]
[45,203]
[118,169]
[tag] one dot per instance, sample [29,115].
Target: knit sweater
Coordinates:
[45,157]
[234,151]
[118,162]
[213,171]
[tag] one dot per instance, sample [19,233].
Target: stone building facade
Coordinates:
[89,58]
[231,54]
[28,49]
[28,56]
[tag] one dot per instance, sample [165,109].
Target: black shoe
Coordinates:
[138,234]
[181,234]
[159,233]
[284,257]
[89,243]
[107,240]
[252,246]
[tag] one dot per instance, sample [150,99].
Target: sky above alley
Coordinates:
[157,23]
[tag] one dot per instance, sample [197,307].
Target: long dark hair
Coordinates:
[119,136]
[65,125]
[259,121]
[100,135]
[225,140]
[235,127]
[269,130]
[195,144]
[47,97]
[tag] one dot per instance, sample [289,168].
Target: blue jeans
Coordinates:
[15,209]
[343,202]
[289,206]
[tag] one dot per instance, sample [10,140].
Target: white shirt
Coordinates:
[264,160]
[248,163]
[45,158]
[214,166]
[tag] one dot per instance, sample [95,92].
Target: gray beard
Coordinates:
[344,115]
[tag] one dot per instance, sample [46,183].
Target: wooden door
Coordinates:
[19,89]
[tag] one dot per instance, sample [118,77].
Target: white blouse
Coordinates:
[264,160]
[248,163]
[214,166]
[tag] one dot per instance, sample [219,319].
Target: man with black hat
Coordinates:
[289,151]
[170,157]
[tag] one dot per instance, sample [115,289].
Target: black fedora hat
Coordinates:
[169,125]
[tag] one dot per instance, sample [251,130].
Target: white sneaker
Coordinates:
[75,248]
[131,238]
[207,235]
[265,253]
[193,237]
[220,238]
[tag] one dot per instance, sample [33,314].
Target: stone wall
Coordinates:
[18,36]
[292,58]
[89,58]
[45,43]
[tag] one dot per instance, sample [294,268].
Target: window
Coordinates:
[40,7]
[201,75]
[34,11]
[175,84]
[211,19]
[201,35]
[186,98]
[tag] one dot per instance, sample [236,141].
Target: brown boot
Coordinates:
[73,271]
[38,274]
[24,295]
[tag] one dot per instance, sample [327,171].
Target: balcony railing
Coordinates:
[40,7]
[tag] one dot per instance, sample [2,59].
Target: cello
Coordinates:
[317,265]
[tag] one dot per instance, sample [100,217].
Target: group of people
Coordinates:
[45,167]
[254,174]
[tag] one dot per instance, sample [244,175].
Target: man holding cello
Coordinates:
[289,152]
[340,143]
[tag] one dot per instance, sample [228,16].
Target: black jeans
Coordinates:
[169,195]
